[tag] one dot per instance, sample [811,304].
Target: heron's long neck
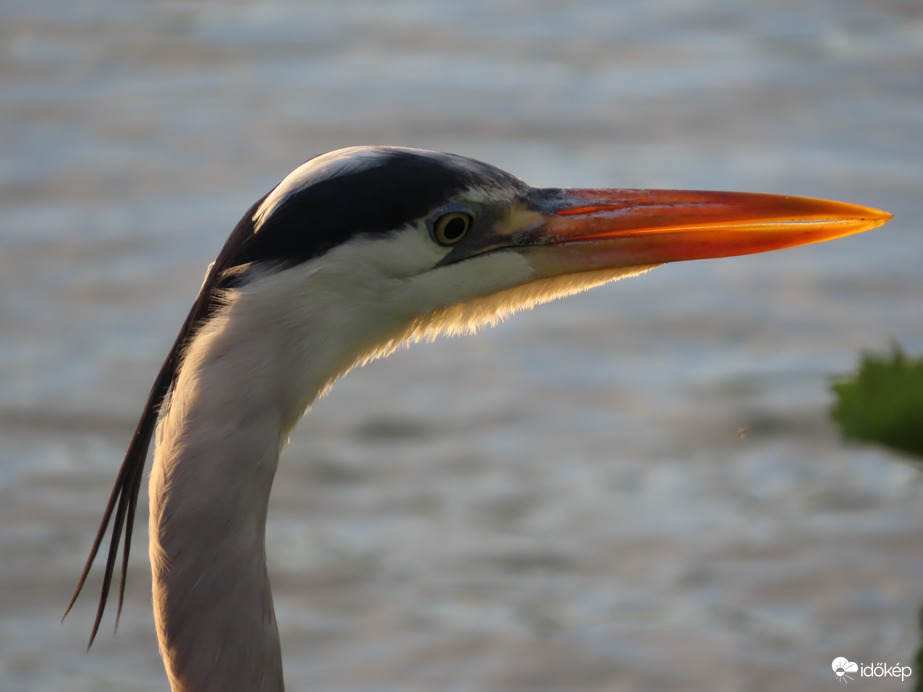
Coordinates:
[210,487]
[218,446]
[246,378]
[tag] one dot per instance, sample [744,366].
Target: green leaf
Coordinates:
[883,402]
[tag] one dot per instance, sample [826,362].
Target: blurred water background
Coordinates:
[633,489]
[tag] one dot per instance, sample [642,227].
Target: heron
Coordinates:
[353,254]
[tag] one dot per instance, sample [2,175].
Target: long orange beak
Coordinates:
[584,230]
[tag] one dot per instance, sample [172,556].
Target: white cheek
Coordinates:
[396,282]
[466,283]
[406,254]
[506,285]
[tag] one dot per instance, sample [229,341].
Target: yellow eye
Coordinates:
[452,227]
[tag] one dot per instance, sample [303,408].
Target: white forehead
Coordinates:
[334,164]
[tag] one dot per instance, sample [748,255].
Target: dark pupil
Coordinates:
[454,228]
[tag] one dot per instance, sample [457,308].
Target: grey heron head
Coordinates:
[443,243]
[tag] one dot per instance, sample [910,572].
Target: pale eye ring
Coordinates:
[451,228]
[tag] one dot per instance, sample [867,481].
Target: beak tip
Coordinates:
[878,217]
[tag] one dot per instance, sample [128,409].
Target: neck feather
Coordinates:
[246,378]
[218,445]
